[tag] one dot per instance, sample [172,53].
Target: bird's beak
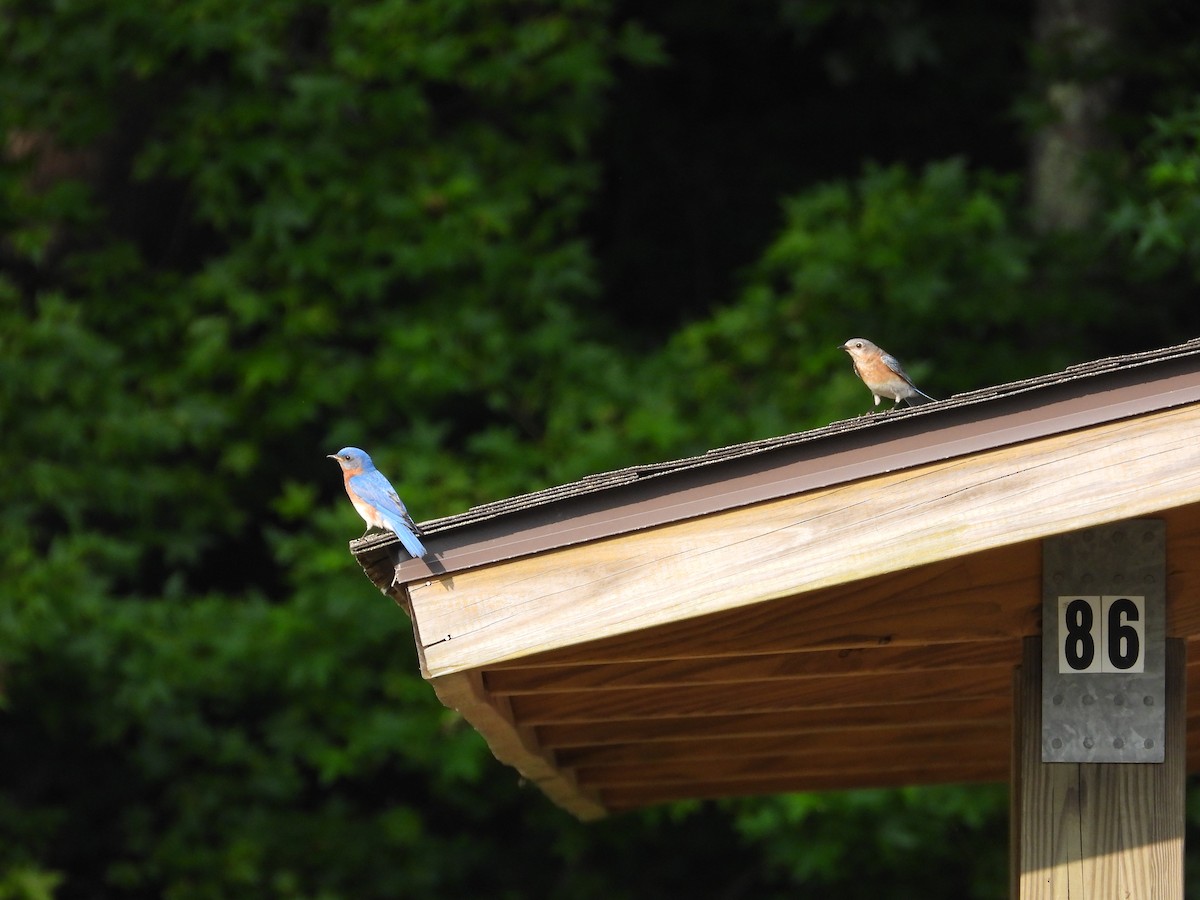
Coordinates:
[331,456]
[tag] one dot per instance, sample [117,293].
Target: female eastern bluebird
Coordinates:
[882,374]
[376,500]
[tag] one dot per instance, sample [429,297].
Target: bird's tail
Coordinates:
[408,537]
[918,397]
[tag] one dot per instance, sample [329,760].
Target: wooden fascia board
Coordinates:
[871,526]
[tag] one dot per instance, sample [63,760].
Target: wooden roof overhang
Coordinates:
[838,608]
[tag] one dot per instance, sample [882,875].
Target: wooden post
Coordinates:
[1096,830]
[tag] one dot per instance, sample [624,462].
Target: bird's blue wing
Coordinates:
[894,364]
[376,490]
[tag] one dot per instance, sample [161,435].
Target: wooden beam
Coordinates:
[766,696]
[512,745]
[860,721]
[1097,830]
[942,740]
[797,765]
[1183,574]
[760,667]
[804,543]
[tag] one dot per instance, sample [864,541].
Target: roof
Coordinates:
[732,623]
[1088,393]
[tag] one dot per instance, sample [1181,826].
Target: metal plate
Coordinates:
[1104,644]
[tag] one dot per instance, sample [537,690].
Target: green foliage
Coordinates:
[1160,216]
[938,262]
[28,884]
[874,833]
[234,237]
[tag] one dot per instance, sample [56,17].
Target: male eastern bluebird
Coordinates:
[376,500]
[882,374]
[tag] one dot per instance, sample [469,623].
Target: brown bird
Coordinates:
[882,374]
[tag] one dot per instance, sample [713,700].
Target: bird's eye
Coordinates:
[858,344]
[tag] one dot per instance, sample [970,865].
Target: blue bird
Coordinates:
[376,500]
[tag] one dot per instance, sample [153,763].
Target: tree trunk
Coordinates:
[1072,37]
